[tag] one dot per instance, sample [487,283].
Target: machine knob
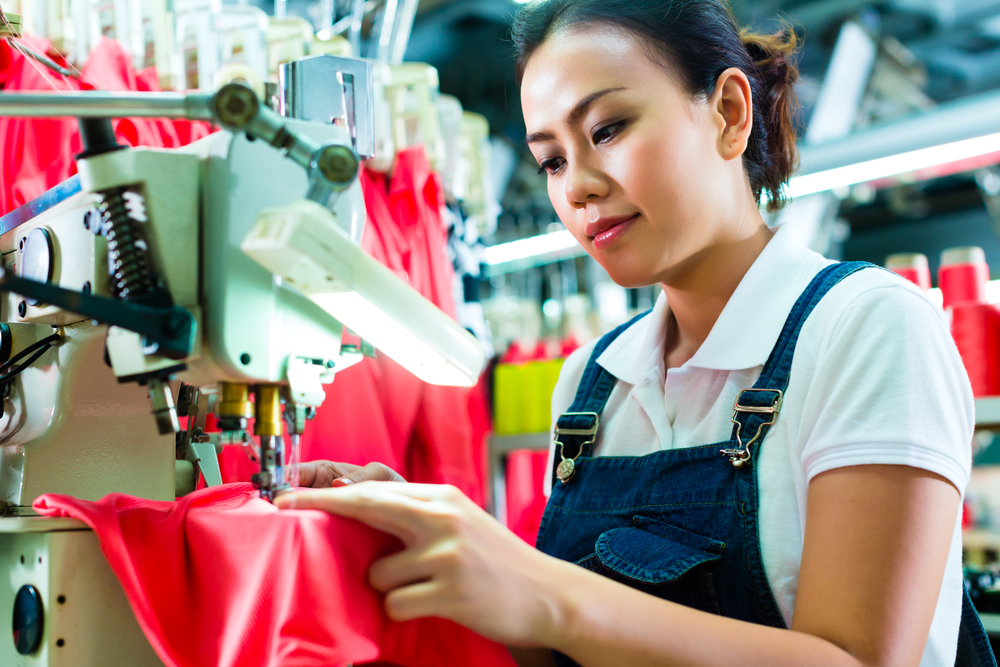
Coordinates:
[36,261]
[29,620]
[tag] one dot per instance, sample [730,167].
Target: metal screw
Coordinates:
[22,308]
[245,359]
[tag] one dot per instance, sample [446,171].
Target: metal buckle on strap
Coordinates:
[567,467]
[741,455]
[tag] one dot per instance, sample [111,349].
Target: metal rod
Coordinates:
[100,104]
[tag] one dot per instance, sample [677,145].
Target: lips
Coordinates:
[606,231]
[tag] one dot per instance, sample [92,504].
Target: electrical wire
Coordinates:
[38,348]
[20,369]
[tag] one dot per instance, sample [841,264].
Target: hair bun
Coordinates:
[774,56]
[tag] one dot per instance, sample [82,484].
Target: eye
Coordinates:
[607,132]
[551,166]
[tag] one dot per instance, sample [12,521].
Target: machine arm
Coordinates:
[171,329]
[236,107]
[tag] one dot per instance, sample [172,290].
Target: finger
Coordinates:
[322,474]
[415,601]
[374,504]
[409,566]
[428,492]
[373,472]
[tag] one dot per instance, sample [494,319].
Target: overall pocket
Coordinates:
[660,559]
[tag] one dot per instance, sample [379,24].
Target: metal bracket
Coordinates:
[202,450]
[305,92]
[740,456]
[305,380]
[172,329]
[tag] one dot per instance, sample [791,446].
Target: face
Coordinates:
[637,170]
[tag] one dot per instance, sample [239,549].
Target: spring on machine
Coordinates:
[129,264]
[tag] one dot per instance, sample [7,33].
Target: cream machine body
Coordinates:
[203,281]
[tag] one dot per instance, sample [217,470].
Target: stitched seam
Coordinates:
[641,507]
[684,565]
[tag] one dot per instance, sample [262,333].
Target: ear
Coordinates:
[732,103]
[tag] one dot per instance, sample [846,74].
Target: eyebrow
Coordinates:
[575,114]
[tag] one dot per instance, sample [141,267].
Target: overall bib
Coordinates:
[682,524]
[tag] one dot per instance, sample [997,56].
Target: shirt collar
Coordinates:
[747,328]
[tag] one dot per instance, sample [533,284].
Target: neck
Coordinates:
[698,296]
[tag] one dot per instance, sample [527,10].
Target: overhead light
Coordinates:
[552,246]
[302,244]
[893,165]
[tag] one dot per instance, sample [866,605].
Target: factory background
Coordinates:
[900,113]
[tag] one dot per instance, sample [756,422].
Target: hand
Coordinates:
[324,474]
[457,561]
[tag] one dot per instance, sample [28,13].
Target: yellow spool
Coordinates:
[268,402]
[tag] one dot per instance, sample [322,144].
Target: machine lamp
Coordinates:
[302,245]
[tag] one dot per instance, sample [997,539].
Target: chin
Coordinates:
[628,272]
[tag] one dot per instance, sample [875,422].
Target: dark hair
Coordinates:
[700,39]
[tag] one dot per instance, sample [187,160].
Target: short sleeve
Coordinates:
[888,387]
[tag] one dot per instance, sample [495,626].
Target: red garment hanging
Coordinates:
[377,411]
[526,499]
[223,578]
[38,152]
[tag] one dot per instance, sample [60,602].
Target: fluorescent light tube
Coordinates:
[892,165]
[533,246]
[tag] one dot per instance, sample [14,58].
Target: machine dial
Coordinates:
[36,260]
[29,619]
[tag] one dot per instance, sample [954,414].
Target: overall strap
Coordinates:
[576,429]
[757,409]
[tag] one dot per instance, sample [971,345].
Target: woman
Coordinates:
[822,526]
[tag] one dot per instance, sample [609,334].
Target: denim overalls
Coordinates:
[682,524]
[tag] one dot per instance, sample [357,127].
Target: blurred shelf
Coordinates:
[988,412]
[991,623]
[978,539]
[498,449]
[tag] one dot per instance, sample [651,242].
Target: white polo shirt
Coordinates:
[876,379]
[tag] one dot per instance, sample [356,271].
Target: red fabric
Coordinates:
[223,578]
[38,152]
[525,492]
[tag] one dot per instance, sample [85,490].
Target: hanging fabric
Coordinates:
[37,153]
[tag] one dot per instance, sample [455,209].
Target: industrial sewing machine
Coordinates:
[190,281]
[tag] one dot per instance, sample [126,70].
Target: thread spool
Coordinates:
[911,265]
[976,330]
[963,275]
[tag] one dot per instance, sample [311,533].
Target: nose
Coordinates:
[585,183]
